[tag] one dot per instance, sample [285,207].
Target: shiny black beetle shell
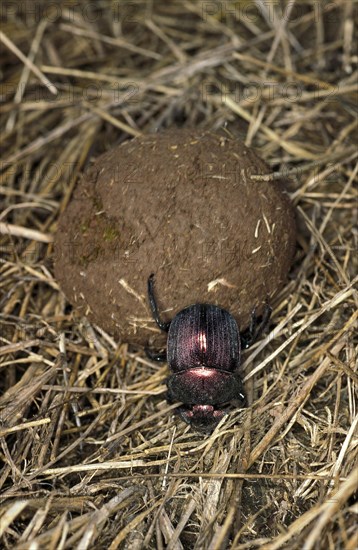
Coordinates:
[203,352]
[203,335]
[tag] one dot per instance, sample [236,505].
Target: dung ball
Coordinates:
[181,204]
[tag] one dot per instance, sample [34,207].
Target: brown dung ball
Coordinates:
[182,205]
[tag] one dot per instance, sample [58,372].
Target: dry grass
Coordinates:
[92,456]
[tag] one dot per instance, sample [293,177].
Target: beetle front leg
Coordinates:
[155,355]
[255,329]
[153,305]
[240,395]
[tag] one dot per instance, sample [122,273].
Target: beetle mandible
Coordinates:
[203,353]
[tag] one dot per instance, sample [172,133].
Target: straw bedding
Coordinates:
[92,455]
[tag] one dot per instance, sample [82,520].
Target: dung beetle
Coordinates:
[203,353]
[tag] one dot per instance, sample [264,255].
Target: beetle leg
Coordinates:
[240,397]
[155,355]
[169,396]
[255,329]
[153,305]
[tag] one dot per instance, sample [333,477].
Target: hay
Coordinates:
[92,455]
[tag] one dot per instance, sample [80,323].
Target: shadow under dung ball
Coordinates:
[180,204]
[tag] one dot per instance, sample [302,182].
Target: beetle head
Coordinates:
[203,418]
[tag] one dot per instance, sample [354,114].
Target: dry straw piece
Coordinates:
[92,455]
